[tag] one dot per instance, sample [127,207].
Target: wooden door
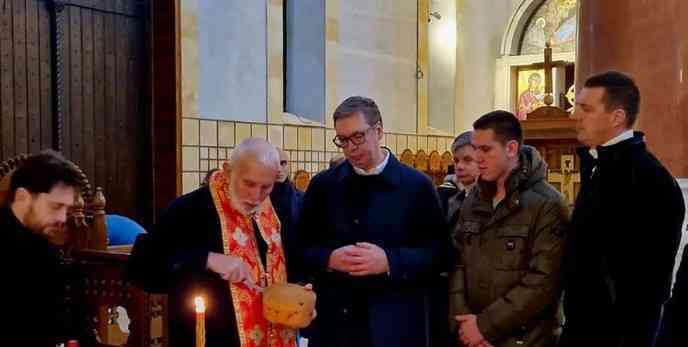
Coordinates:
[74,77]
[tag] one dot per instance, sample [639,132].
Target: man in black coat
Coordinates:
[626,224]
[676,310]
[42,190]
[287,200]
[372,236]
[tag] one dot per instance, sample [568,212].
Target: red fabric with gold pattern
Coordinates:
[239,241]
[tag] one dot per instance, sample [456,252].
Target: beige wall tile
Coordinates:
[391,142]
[304,138]
[190,181]
[329,145]
[290,138]
[190,159]
[226,130]
[208,133]
[212,153]
[203,153]
[259,130]
[204,166]
[243,131]
[190,131]
[413,143]
[423,143]
[441,144]
[276,136]
[432,143]
[402,143]
[318,139]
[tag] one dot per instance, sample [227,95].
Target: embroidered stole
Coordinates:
[238,239]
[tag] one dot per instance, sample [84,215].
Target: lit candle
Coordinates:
[200,321]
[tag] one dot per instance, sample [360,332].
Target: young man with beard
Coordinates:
[42,190]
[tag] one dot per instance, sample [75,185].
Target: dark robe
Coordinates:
[173,261]
[34,286]
[287,200]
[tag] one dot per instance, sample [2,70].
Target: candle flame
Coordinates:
[200,304]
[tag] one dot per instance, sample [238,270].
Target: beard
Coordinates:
[53,232]
[235,200]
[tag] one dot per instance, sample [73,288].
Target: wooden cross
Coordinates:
[547,65]
[566,178]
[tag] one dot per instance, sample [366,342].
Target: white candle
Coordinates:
[200,321]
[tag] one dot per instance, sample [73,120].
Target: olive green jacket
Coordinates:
[508,266]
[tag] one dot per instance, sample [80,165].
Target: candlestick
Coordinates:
[200,321]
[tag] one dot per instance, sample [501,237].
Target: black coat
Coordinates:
[675,315]
[287,201]
[619,262]
[33,286]
[172,260]
[397,210]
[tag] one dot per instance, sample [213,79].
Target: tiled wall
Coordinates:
[206,143]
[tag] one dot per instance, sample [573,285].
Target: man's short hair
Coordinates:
[620,92]
[464,139]
[354,104]
[39,173]
[504,124]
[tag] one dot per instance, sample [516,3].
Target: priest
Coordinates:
[222,242]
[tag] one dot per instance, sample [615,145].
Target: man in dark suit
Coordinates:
[626,224]
[371,235]
[42,190]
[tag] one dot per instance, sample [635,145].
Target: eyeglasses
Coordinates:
[358,138]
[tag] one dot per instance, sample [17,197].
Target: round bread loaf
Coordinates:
[289,305]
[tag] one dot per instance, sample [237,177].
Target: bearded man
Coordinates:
[223,242]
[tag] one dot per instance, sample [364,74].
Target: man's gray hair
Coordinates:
[257,149]
[464,139]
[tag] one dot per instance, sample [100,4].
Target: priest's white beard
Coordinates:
[236,200]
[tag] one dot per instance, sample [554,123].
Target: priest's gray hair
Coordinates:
[257,149]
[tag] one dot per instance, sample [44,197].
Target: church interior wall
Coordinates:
[206,143]
[481,24]
[367,51]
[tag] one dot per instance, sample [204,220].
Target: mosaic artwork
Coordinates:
[554,21]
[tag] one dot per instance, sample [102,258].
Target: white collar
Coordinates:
[628,134]
[376,170]
[468,187]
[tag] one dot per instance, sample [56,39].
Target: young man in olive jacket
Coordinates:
[505,287]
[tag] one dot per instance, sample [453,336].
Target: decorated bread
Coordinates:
[289,305]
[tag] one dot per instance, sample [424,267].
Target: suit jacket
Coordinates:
[397,210]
